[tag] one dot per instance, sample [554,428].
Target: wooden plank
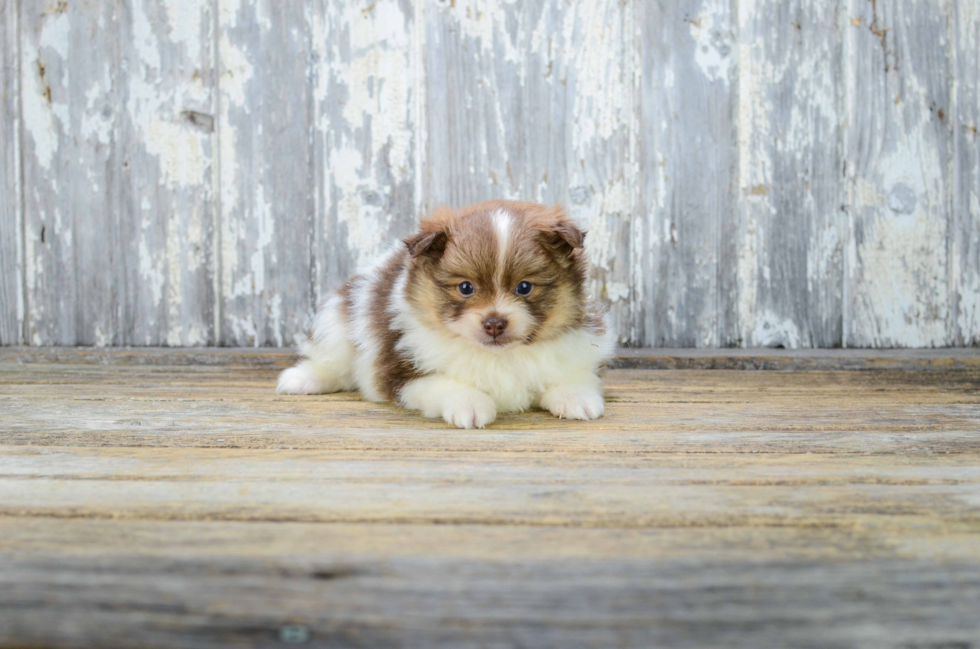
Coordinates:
[117,161]
[365,148]
[792,230]
[532,101]
[965,261]
[164,137]
[11,224]
[433,603]
[73,241]
[897,153]
[472,137]
[684,236]
[649,412]
[299,543]
[265,123]
[563,488]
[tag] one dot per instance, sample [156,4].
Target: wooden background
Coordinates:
[799,173]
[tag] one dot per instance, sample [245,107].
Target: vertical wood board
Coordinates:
[790,185]
[683,279]
[267,188]
[897,105]
[965,261]
[11,226]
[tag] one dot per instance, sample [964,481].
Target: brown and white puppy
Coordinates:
[484,310]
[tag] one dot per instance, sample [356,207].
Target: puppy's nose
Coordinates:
[494,325]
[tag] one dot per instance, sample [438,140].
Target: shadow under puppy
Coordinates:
[484,310]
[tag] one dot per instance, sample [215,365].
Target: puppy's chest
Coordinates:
[514,381]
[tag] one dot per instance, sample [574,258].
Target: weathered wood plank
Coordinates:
[565,488]
[299,543]
[11,224]
[326,602]
[897,153]
[532,101]
[684,233]
[965,261]
[472,137]
[71,97]
[165,142]
[117,171]
[365,103]
[885,412]
[792,230]
[267,196]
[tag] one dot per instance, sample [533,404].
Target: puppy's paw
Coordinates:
[471,409]
[298,380]
[574,402]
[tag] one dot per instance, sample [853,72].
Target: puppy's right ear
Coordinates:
[427,244]
[433,234]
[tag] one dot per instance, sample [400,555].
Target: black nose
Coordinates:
[494,326]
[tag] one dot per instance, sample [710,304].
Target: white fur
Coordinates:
[502,222]
[466,383]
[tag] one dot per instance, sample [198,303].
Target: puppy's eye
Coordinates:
[465,289]
[524,289]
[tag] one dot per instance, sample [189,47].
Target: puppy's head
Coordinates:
[498,274]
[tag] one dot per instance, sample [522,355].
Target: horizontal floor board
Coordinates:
[136,602]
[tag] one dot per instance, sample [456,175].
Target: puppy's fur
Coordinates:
[441,323]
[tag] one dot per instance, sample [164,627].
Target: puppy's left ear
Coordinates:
[569,233]
[560,233]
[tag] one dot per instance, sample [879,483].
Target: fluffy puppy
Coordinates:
[482,311]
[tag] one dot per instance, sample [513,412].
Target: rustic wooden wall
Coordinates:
[798,173]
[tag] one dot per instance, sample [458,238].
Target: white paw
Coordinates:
[297,380]
[574,402]
[470,410]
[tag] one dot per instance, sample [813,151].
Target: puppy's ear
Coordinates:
[428,244]
[433,234]
[568,233]
[559,233]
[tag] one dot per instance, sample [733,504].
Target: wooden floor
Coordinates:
[172,499]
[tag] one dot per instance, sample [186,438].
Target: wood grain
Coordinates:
[147,500]
[11,225]
[965,253]
[72,103]
[684,232]
[117,171]
[792,230]
[267,187]
[897,152]
[166,147]
[752,173]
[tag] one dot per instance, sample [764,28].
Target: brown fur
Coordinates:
[393,369]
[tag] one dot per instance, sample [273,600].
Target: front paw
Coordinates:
[470,410]
[574,402]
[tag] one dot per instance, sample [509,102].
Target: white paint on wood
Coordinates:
[11,225]
[750,172]
[897,101]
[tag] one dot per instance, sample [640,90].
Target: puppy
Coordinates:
[484,310]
